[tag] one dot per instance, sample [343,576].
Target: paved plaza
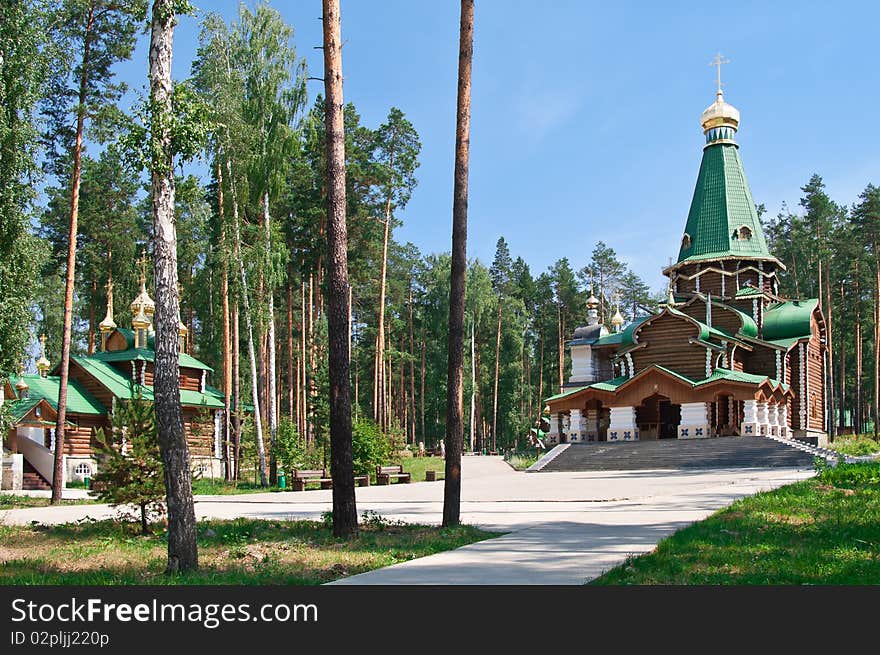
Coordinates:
[561,527]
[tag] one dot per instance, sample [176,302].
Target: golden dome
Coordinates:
[617,320]
[21,385]
[719,114]
[143,301]
[108,324]
[140,320]
[43,364]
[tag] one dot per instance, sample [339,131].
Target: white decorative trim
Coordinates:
[575,431]
[755,309]
[134,374]
[695,423]
[708,362]
[723,278]
[622,426]
[761,276]
[202,384]
[724,361]
[698,278]
[143,373]
[553,435]
[802,401]
[218,434]
[779,366]
[629,361]
[750,426]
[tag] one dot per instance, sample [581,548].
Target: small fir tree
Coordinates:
[131,470]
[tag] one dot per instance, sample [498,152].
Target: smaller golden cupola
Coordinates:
[141,326]
[22,388]
[617,320]
[143,302]
[182,331]
[43,364]
[108,324]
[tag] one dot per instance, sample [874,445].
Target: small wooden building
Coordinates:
[725,355]
[121,370]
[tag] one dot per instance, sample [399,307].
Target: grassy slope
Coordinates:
[16,501]
[856,445]
[243,551]
[825,530]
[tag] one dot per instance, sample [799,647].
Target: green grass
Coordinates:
[522,461]
[219,486]
[856,445]
[825,530]
[15,501]
[239,552]
[418,465]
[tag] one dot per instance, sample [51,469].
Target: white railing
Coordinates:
[41,458]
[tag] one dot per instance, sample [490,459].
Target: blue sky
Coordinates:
[585,115]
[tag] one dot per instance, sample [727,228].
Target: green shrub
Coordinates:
[292,452]
[855,445]
[131,470]
[852,476]
[369,447]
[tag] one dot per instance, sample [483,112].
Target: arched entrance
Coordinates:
[658,418]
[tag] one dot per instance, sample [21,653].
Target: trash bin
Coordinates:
[282,481]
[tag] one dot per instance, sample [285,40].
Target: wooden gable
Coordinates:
[666,339]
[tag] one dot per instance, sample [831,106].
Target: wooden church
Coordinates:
[122,369]
[725,355]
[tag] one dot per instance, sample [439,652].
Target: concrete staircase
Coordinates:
[31,480]
[721,452]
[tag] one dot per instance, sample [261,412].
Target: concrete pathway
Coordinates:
[563,528]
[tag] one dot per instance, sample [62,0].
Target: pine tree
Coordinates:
[458,275]
[130,470]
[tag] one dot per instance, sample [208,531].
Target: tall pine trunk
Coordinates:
[458,274]
[341,464]
[541,377]
[412,371]
[380,410]
[290,357]
[70,278]
[473,419]
[858,421]
[236,393]
[495,386]
[182,548]
[841,412]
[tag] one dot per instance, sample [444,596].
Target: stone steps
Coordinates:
[720,452]
[31,480]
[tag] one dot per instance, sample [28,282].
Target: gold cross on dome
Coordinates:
[143,265]
[718,61]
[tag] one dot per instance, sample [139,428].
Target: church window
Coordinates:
[83,470]
[686,241]
[814,405]
[744,232]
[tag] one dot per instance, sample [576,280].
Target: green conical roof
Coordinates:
[722,221]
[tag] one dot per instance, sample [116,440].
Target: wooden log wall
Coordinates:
[667,345]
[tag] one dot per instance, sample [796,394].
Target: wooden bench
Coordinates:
[301,477]
[384,474]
